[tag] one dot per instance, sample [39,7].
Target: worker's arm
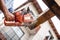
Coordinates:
[5,11]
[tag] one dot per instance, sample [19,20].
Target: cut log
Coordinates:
[42,19]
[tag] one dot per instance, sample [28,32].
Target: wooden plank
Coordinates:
[53,7]
[42,19]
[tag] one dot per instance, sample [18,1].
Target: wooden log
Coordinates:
[42,19]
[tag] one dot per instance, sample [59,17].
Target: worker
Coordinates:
[6,6]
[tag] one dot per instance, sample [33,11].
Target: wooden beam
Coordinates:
[45,17]
[53,7]
[42,19]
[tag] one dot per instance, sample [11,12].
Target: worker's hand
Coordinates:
[10,17]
